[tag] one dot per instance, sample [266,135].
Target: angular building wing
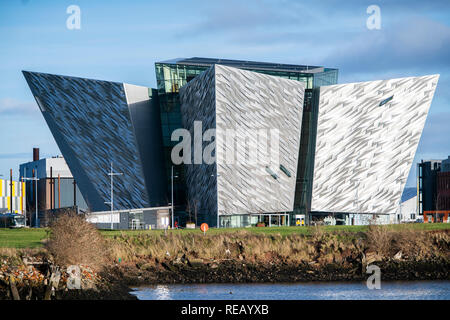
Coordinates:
[367,136]
[266,140]
[258,121]
[96,123]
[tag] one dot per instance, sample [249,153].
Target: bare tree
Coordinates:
[189,210]
[195,210]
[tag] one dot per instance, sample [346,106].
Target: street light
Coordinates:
[357,198]
[172,194]
[112,174]
[400,205]
[217,175]
[35,179]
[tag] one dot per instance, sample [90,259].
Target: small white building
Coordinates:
[407,210]
[57,164]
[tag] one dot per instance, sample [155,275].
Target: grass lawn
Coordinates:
[22,238]
[32,238]
[284,230]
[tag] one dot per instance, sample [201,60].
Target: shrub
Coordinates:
[379,239]
[73,240]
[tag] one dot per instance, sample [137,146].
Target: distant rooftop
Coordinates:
[242,64]
[409,193]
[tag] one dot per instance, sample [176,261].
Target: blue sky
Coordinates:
[121,40]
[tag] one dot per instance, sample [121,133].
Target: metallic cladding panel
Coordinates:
[230,98]
[364,148]
[198,104]
[144,112]
[90,121]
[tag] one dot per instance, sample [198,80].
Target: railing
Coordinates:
[436,216]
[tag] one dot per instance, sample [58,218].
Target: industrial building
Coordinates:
[12,197]
[56,187]
[144,218]
[344,150]
[433,190]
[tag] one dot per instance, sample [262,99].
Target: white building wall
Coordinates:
[264,110]
[405,211]
[42,166]
[367,137]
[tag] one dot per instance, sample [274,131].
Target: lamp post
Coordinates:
[356,198]
[400,205]
[217,175]
[35,179]
[112,174]
[172,195]
[11,191]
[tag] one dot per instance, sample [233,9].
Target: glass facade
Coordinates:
[172,75]
[254,220]
[170,78]
[305,168]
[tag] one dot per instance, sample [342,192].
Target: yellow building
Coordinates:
[17,193]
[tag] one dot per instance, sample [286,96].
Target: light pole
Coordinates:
[112,174]
[217,175]
[35,179]
[357,199]
[172,194]
[400,205]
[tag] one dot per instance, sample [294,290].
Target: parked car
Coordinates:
[419,220]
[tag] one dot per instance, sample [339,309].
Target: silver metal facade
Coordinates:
[367,137]
[92,123]
[266,112]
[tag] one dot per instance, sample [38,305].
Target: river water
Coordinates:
[395,290]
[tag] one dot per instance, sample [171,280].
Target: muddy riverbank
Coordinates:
[114,282]
[241,272]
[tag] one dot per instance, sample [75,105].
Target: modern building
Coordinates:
[367,136]
[343,150]
[264,113]
[445,165]
[433,196]
[101,126]
[12,196]
[173,74]
[427,185]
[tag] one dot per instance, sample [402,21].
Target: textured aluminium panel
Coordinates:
[90,121]
[366,142]
[228,98]
[252,101]
[143,105]
[198,104]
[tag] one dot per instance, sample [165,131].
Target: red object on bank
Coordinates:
[204,227]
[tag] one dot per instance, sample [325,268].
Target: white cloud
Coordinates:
[11,106]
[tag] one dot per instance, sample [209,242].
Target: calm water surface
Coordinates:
[396,290]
